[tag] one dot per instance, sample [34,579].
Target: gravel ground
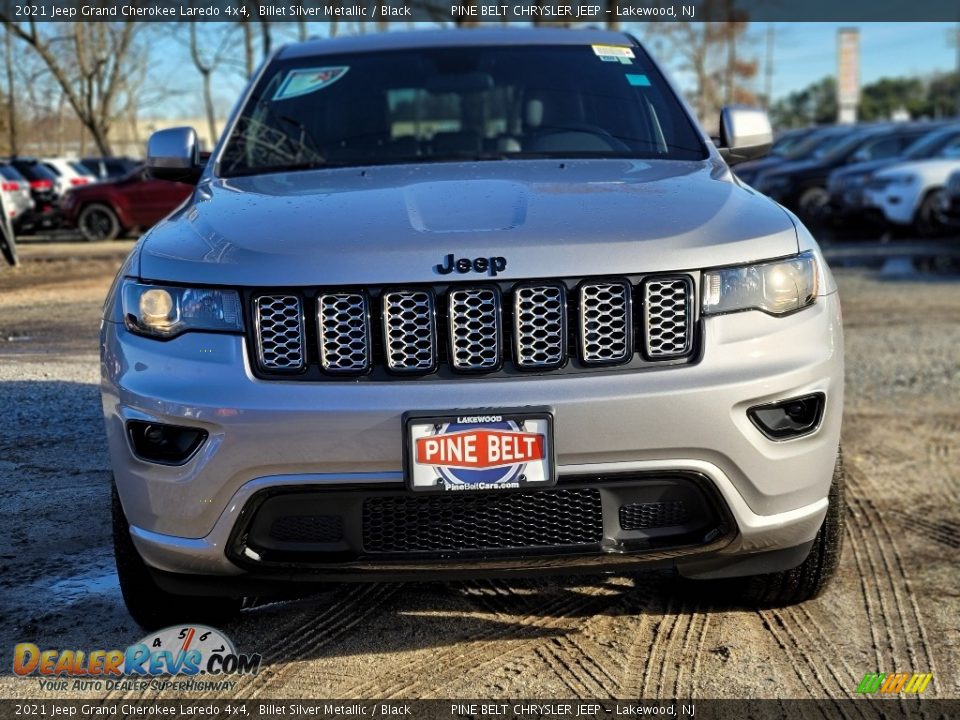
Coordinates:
[894,606]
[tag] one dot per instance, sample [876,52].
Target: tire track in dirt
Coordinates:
[328,626]
[331,625]
[895,578]
[488,645]
[796,621]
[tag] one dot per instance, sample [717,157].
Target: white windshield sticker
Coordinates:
[308,80]
[613,53]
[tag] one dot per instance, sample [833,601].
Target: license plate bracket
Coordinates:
[487,450]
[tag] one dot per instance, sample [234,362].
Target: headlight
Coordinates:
[163,311]
[777,287]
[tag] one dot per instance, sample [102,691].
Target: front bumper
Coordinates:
[897,203]
[329,436]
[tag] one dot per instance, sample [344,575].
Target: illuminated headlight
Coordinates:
[777,288]
[163,311]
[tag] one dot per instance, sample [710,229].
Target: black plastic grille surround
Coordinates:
[484,521]
[474,328]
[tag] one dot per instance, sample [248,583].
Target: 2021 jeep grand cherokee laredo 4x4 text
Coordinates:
[454,303]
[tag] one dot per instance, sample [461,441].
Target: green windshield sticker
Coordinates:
[308,80]
[638,80]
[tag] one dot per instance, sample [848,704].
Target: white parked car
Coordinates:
[69,173]
[908,194]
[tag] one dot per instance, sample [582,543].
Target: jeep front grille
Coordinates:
[280,333]
[667,316]
[474,328]
[606,322]
[409,330]
[540,335]
[343,330]
[482,328]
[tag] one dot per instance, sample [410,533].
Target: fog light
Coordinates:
[164,444]
[788,419]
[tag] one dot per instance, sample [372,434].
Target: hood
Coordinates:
[931,171]
[864,168]
[395,224]
[794,167]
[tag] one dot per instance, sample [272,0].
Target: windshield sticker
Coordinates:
[308,80]
[638,80]
[612,53]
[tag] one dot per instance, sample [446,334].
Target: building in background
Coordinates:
[848,74]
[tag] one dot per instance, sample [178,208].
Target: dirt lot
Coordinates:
[894,606]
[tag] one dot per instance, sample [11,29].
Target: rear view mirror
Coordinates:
[174,154]
[745,134]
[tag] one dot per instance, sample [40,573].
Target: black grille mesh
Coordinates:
[643,516]
[437,523]
[308,529]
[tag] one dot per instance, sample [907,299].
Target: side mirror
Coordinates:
[745,134]
[174,154]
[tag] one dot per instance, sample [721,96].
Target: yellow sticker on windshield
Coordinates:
[308,80]
[613,53]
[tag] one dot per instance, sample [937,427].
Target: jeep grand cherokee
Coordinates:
[451,303]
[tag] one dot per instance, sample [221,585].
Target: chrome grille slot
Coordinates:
[474,315]
[539,326]
[606,324]
[279,324]
[343,332]
[668,317]
[409,331]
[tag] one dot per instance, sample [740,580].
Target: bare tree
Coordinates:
[206,65]
[706,49]
[11,96]
[89,62]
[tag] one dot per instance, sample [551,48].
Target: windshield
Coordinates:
[466,103]
[931,144]
[839,147]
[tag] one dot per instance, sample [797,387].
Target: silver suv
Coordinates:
[469,302]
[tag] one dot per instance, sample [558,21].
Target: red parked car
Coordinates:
[108,210]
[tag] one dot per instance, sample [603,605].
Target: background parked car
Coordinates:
[109,168]
[949,211]
[16,193]
[68,173]
[802,185]
[846,184]
[107,210]
[908,194]
[818,139]
[45,213]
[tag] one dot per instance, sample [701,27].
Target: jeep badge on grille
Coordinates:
[493,265]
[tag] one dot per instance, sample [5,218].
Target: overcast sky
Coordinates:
[802,53]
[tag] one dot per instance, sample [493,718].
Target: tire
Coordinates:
[8,249]
[926,222]
[789,587]
[812,203]
[149,605]
[98,222]
[812,576]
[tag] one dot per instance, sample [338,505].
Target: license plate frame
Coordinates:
[495,430]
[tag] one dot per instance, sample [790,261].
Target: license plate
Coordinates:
[479,450]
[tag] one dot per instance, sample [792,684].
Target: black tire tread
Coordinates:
[150,606]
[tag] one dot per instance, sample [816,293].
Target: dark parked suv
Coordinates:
[802,185]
